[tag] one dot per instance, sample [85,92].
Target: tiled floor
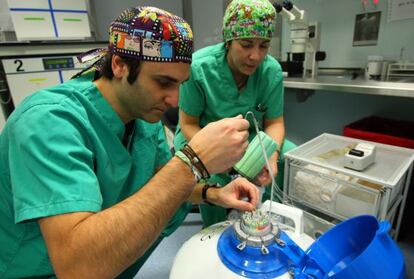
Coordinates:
[159,264]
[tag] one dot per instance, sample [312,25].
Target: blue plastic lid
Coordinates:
[252,263]
[358,248]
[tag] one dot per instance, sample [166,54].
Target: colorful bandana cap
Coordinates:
[249,19]
[151,34]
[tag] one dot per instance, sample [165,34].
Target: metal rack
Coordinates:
[400,70]
[315,179]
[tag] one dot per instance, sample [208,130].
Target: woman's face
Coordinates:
[245,55]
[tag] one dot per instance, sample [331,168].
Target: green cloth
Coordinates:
[61,151]
[212,94]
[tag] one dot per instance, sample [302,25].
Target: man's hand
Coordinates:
[239,194]
[221,144]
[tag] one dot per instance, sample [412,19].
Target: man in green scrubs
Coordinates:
[232,78]
[88,187]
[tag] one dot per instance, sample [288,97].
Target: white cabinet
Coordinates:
[28,75]
[49,20]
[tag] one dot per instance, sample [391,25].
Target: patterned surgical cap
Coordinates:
[249,19]
[151,34]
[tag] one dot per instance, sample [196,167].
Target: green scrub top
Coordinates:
[62,151]
[212,94]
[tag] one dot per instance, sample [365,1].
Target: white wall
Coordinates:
[207,19]
[337,18]
[330,111]
[105,11]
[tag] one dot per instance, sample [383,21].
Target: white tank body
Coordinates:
[198,257]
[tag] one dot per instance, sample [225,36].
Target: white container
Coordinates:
[315,177]
[374,67]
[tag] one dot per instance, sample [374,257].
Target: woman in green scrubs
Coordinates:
[232,78]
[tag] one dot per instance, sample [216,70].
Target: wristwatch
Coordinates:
[204,192]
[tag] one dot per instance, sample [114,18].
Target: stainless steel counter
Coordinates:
[344,83]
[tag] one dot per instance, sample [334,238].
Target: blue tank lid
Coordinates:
[252,263]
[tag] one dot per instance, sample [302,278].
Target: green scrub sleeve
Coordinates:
[192,99]
[275,97]
[163,152]
[55,162]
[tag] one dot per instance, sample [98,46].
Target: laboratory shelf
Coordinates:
[345,83]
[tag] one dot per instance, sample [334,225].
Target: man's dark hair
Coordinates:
[133,65]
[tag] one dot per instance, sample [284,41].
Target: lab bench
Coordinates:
[317,181]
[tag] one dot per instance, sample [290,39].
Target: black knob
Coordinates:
[320,55]
[278,7]
[287,5]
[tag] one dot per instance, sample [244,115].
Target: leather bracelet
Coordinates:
[186,160]
[204,193]
[195,161]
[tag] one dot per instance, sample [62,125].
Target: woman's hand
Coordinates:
[264,178]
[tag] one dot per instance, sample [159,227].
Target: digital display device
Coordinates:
[58,63]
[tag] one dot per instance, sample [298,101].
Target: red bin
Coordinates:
[383,130]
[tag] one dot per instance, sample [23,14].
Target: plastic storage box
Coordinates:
[315,178]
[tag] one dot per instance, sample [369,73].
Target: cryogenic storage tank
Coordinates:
[244,249]
[258,247]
